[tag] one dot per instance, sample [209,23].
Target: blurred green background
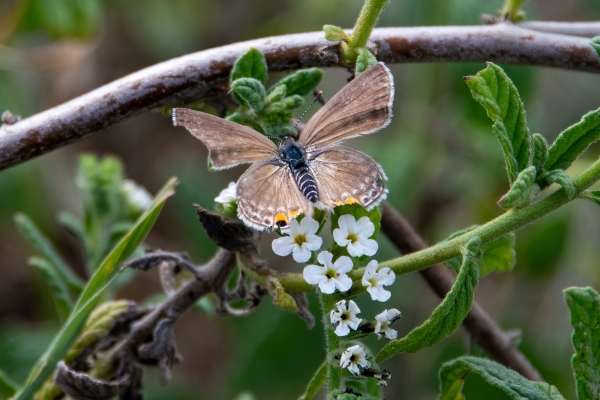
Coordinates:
[445,171]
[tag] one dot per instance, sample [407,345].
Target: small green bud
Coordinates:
[280,298]
[335,34]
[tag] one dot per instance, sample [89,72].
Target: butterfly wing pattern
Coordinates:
[267,194]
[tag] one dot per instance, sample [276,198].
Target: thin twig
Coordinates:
[189,78]
[481,326]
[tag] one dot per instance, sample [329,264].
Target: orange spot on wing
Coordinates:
[352,200]
[295,213]
[281,220]
[337,202]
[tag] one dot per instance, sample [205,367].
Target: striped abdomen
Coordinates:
[306,183]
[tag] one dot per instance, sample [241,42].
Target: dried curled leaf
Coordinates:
[81,386]
[229,234]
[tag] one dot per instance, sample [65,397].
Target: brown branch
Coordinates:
[583,29]
[189,78]
[481,326]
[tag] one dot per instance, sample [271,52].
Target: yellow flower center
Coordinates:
[299,239]
[352,237]
[331,273]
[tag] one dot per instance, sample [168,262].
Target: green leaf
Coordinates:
[335,34]
[365,60]
[90,295]
[517,387]
[7,386]
[540,151]
[301,82]
[595,43]
[251,91]
[316,382]
[573,141]
[31,232]
[560,177]
[56,284]
[593,195]
[251,65]
[498,255]
[448,316]
[276,94]
[72,223]
[584,304]
[522,191]
[493,89]
[358,212]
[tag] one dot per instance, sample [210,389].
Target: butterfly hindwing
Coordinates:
[347,176]
[228,143]
[267,196]
[363,106]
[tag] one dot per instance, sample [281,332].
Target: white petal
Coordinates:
[377,327]
[365,228]
[334,316]
[283,246]
[353,308]
[325,258]
[355,249]
[309,226]
[392,314]
[327,286]
[382,317]
[369,246]
[372,267]
[342,329]
[347,222]
[341,237]
[343,283]
[386,277]
[301,254]
[354,322]
[314,274]
[379,293]
[354,369]
[391,334]
[313,242]
[294,228]
[343,264]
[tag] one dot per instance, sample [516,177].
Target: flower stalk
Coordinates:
[332,346]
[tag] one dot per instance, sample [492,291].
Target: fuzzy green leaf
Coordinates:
[7,386]
[56,284]
[584,304]
[595,43]
[573,141]
[251,91]
[301,82]
[316,382]
[90,295]
[448,316]
[540,151]
[31,232]
[560,177]
[517,387]
[277,94]
[335,34]
[364,60]
[522,191]
[251,65]
[493,89]
[498,255]
[593,195]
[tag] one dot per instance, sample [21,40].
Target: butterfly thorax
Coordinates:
[294,156]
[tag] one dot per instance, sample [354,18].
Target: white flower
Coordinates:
[136,195]
[384,320]
[301,241]
[227,195]
[345,317]
[375,280]
[332,275]
[354,357]
[355,235]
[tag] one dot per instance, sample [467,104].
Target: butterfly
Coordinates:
[311,170]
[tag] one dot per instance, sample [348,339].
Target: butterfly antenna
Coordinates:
[311,104]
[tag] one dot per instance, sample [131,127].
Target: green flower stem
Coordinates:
[363,28]
[505,223]
[512,9]
[332,346]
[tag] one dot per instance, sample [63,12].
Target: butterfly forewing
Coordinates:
[268,197]
[346,176]
[363,106]
[228,143]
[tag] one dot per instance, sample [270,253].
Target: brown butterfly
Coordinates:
[313,170]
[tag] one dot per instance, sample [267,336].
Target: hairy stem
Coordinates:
[363,28]
[332,345]
[512,10]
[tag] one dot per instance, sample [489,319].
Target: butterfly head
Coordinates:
[292,153]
